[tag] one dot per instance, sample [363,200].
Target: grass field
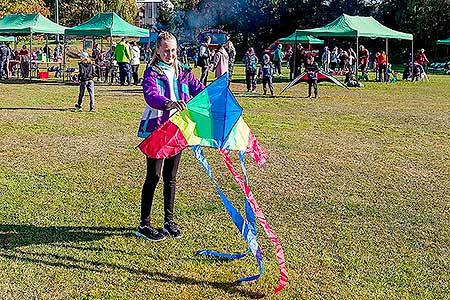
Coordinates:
[356,187]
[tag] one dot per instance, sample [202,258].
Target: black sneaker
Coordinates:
[149,233]
[171,229]
[78,107]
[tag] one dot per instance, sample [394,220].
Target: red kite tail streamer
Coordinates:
[262,219]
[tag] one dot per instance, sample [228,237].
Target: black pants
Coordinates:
[277,65]
[250,79]
[267,81]
[311,84]
[169,168]
[134,72]
[204,77]
[382,72]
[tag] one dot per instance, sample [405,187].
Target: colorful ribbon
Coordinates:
[246,227]
[260,215]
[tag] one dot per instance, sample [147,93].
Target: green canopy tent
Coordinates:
[297,37]
[107,25]
[7,39]
[357,26]
[444,42]
[28,24]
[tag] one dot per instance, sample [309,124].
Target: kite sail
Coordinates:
[213,119]
[321,76]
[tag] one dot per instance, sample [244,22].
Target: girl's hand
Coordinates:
[179,105]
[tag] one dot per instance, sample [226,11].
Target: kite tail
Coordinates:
[247,229]
[260,215]
[255,150]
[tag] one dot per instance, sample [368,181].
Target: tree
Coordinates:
[75,12]
[23,7]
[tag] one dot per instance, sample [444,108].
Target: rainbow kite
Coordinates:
[214,119]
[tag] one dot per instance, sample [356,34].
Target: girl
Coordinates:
[167,86]
[250,61]
[220,61]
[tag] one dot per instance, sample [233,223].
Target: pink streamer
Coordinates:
[262,219]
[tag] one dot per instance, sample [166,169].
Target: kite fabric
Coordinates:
[213,119]
[321,76]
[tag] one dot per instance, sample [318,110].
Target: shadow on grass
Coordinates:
[37,108]
[69,262]
[12,236]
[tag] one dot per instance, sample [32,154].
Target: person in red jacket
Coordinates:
[382,64]
[422,59]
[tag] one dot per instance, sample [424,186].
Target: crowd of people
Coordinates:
[16,62]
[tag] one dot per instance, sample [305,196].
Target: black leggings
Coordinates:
[169,168]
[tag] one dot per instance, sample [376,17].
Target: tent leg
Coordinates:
[63,67]
[412,56]
[357,58]
[387,60]
[29,53]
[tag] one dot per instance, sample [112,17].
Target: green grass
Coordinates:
[356,187]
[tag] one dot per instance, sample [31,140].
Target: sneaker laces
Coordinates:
[172,225]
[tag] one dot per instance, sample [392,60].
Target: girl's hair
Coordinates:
[163,36]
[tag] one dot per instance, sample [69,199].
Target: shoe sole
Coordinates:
[166,232]
[140,235]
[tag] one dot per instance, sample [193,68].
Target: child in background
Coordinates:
[85,76]
[266,72]
[312,68]
[168,85]
[250,61]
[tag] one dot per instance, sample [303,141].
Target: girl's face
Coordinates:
[167,51]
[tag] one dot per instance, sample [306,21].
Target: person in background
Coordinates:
[334,60]
[204,59]
[97,57]
[123,56]
[221,59]
[422,59]
[231,57]
[266,71]
[382,64]
[250,62]
[326,58]
[110,61]
[278,58]
[364,62]
[135,61]
[24,57]
[5,56]
[312,68]
[85,77]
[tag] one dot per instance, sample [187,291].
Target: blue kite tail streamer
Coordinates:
[247,230]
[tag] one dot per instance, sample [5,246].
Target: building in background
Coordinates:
[148,11]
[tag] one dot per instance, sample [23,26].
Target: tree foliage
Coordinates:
[23,7]
[75,12]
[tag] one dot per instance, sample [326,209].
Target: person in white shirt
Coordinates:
[135,61]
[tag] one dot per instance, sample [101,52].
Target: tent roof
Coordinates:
[354,26]
[20,24]
[444,42]
[107,24]
[298,37]
[7,39]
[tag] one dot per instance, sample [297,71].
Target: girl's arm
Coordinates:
[151,93]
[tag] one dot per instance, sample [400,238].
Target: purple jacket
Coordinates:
[157,93]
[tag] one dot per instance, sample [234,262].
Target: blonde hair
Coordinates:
[163,36]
